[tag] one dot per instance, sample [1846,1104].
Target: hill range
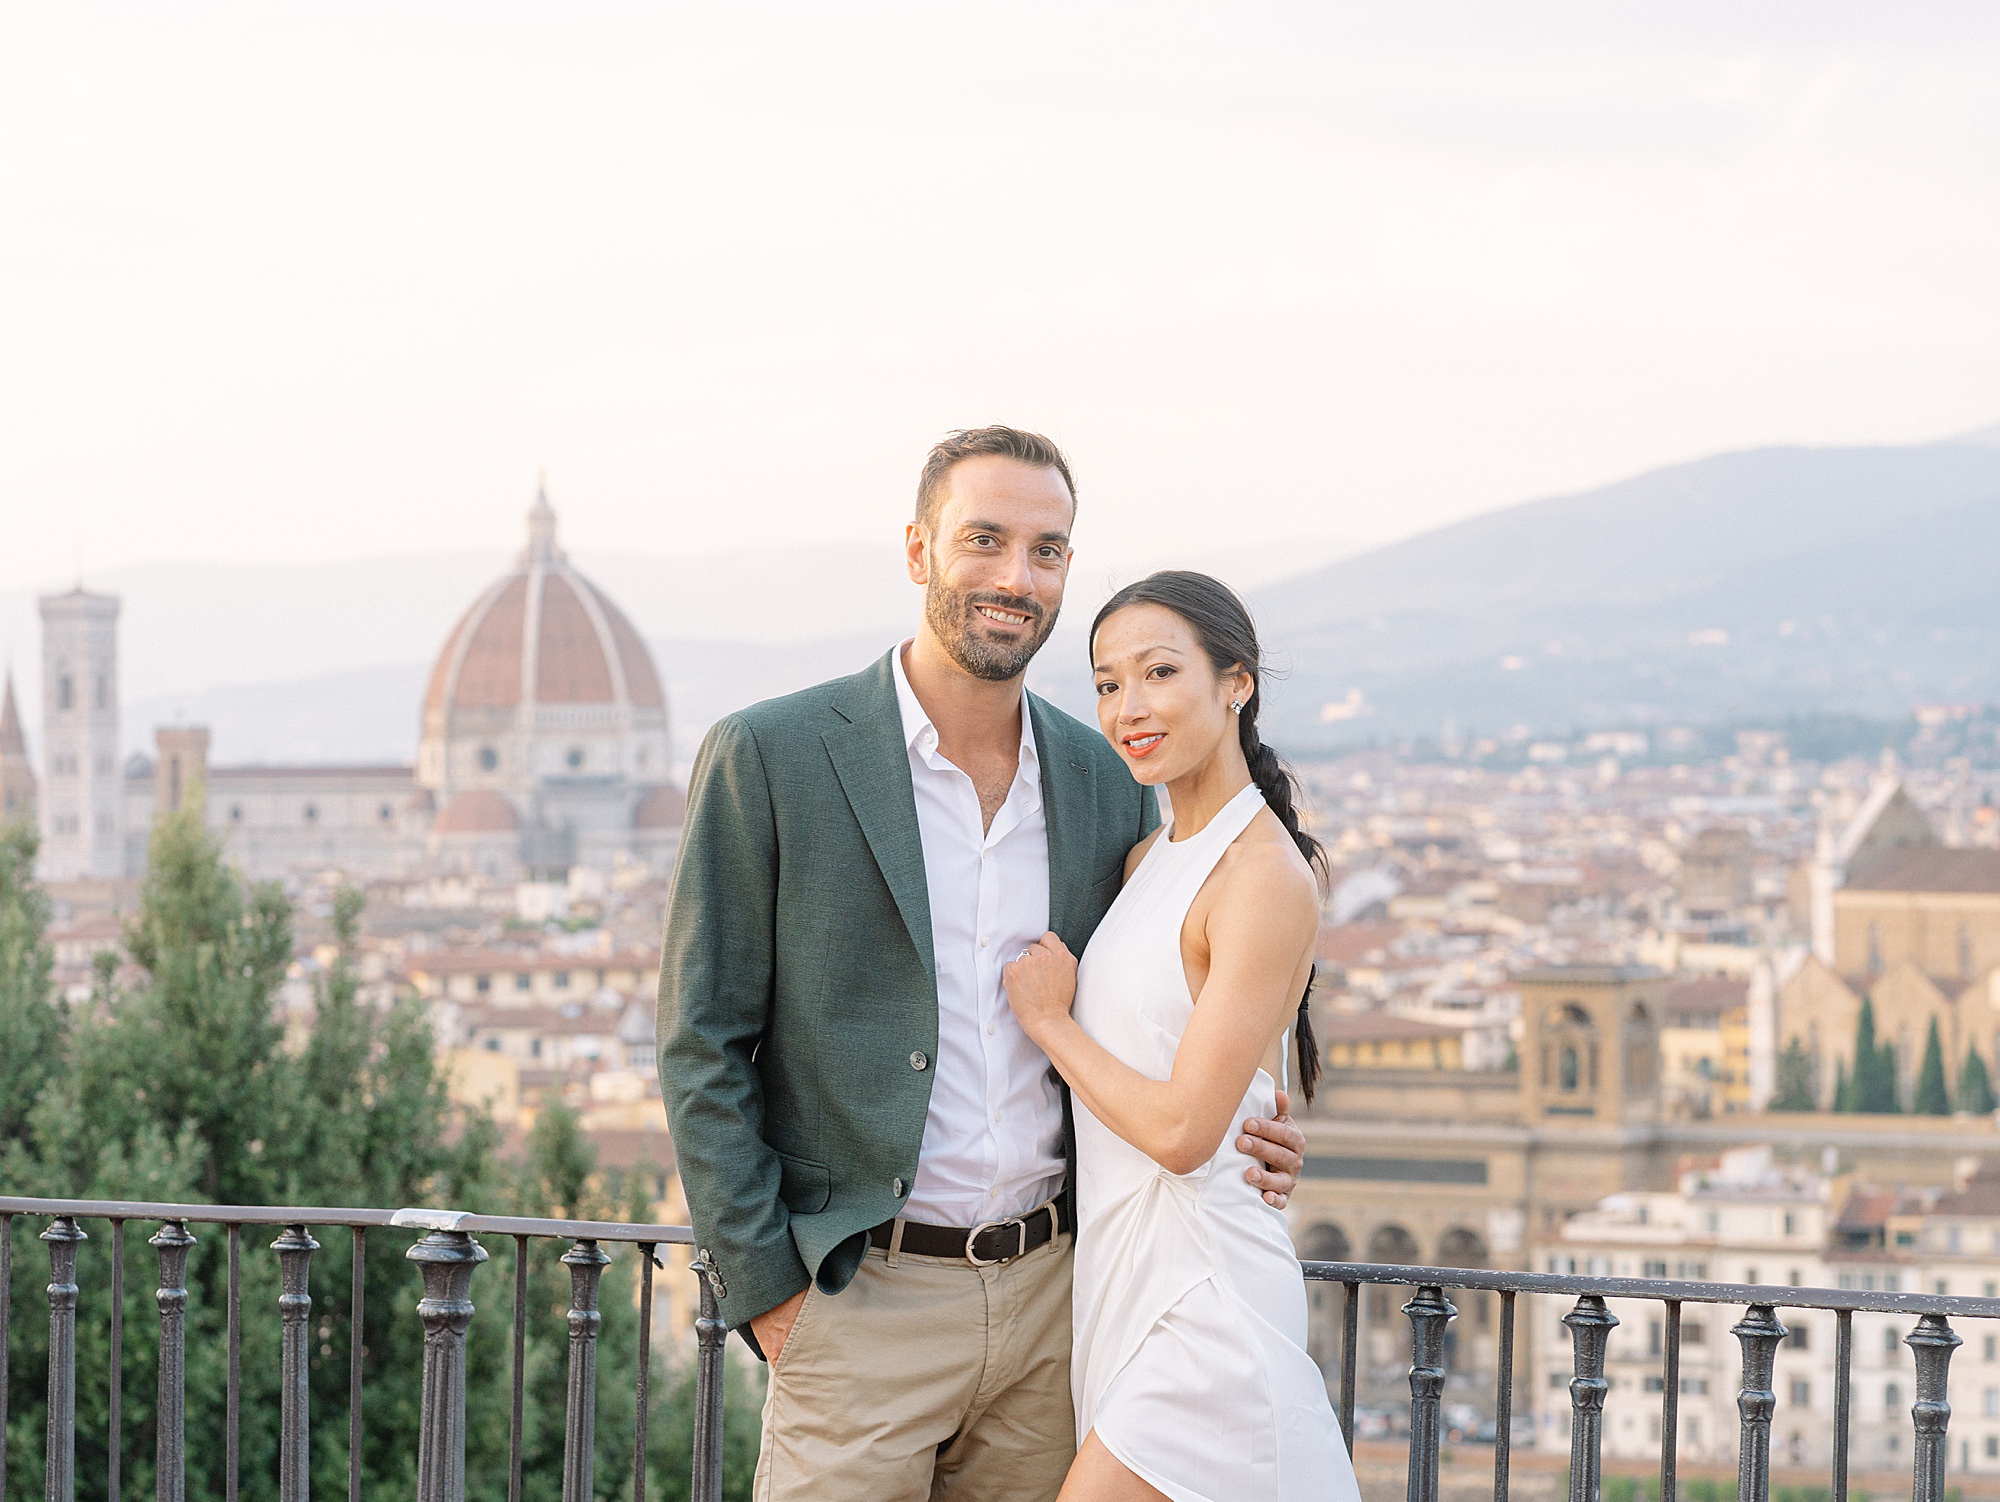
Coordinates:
[1750,585]
[1764,583]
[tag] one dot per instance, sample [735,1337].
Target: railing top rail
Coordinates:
[416,1218]
[1658,1289]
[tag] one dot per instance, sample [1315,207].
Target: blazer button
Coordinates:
[896,1188]
[919,1061]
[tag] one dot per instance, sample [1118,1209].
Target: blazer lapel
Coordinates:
[872,761]
[1068,808]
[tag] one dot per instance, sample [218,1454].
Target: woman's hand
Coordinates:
[1040,984]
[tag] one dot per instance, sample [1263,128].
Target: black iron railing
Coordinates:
[446,1256]
[1590,1322]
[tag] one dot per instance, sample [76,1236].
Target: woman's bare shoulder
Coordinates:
[1264,871]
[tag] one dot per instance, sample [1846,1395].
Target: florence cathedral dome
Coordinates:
[544,722]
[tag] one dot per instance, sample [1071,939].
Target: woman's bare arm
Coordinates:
[1259,928]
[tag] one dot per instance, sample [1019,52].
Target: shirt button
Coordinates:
[919,1061]
[982,943]
[896,1188]
[989,1029]
[996,1118]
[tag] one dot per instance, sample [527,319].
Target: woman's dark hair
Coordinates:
[1222,625]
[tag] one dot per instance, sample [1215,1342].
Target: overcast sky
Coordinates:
[287,281]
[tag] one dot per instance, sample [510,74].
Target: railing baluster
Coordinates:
[586,1261]
[520,1369]
[1430,1312]
[1350,1345]
[171,1241]
[1932,1342]
[1503,1403]
[446,1260]
[709,1332]
[6,1332]
[294,1249]
[232,1449]
[114,1419]
[1590,1326]
[1759,1333]
[1843,1367]
[646,1266]
[1670,1405]
[62,1237]
[357,1348]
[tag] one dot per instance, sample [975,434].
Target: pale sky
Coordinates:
[286,281]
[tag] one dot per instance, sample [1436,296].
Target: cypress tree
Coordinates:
[1797,1087]
[1843,1087]
[1874,1081]
[1975,1087]
[32,1020]
[1931,1099]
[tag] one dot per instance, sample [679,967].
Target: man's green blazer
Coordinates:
[798,998]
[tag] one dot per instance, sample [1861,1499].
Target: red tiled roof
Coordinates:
[1356,943]
[1705,996]
[1380,1027]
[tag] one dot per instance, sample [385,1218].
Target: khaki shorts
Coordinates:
[929,1380]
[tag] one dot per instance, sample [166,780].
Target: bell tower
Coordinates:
[82,800]
[1591,1044]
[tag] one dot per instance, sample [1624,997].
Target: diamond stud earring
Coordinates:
[1236,706]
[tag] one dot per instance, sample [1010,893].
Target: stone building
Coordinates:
[1715,877]
[1459,1168]
[543,745]
[82,796]
[1909,923]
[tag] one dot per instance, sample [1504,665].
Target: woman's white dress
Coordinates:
[1190,1360]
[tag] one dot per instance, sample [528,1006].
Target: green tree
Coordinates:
[32,1021]
[1975,1087]
[1797,1080]
[1872,1088]
[179,1087]
[1931,1098]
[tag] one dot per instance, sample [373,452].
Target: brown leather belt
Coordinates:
[986,1245]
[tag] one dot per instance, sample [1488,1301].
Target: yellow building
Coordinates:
[1381,1040]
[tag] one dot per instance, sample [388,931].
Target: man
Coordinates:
[875,1156]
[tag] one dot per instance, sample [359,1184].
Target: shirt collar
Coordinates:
[920,734]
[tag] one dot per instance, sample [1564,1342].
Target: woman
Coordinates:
[1190,1374]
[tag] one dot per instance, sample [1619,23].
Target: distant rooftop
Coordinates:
[1929,868]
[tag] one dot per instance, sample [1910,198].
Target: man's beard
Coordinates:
[955,623]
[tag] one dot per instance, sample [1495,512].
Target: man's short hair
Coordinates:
[972,443]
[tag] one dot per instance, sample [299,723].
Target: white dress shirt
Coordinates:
[993,1143]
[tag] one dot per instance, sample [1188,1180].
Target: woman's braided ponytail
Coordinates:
[1223,625]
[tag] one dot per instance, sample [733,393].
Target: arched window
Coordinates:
[1390,1243]
[65,692]
[1566,1076]
[1462,1247]
[1324,1243]
[1874,949]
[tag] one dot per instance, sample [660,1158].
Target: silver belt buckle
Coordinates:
[1019,1222]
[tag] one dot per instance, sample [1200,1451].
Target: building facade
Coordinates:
[82,811]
